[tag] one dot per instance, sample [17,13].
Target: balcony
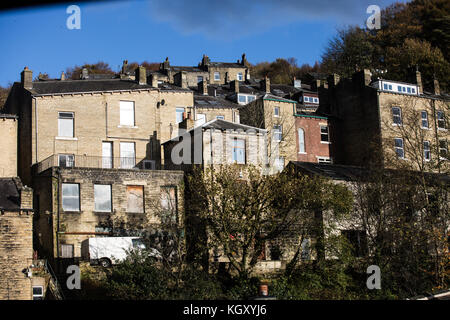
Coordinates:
[80,161]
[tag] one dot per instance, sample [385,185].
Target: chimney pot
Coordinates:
[437,89]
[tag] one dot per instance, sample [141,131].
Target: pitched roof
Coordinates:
[9,194]
[211,102]
[227,125]
[76,86]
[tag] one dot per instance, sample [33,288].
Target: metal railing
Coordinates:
[81,161]
[54,286]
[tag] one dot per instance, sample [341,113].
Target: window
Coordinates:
[276,111]
[102,197]
[324,136]
[443,149]
[201,119]
[66,250]
[107,155]
[38,293]
[71,197]
[323,160]
[220,117]
[279,163]
[199,79]
[180,114]
[441,120]
[413,90]
[65,124]
[127,155]
[66,160]
[424,116]
[397,115]
[301,141]
[169,204]
[306,249]
[277,132]
[409,90]
[240,77]
[135,199]
[250,98]
[149,164]
[126,113]
[238,150]
[426,150]
[398,142]
[358,240]
[316,100]
[399,88]
[216,76]
[242,98]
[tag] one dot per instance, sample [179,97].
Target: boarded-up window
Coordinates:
[67,251]
[135,199]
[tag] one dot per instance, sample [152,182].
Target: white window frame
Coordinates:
[322,126]
[422,119]
[63,118]
[402,148]
[98,188]
[441,120]
[234,147]
[277,132]
[276,112]
[125,119]
[38,295]
[301,142]
[324,160]
[125,161]
[72,197]
[220,117]
[426,151]
[216,76]
[240,76]
[399,116]
[178,111]
[67,246]
[107,159]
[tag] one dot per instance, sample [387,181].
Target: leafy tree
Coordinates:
[96,68]
[4,92]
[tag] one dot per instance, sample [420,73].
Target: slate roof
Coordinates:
[201,101]
[74,86]
[353,173]
[226,65]
[8,116]
[186,68]
[227,125]
[9,194]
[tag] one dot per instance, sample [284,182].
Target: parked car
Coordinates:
[106,251]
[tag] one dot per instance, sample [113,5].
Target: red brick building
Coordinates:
[314,138]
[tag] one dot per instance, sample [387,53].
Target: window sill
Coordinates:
[66,138]
[71,211]
[424,128]
[101,212]
[325,142]
[129,127]
[302,153]
[442,129]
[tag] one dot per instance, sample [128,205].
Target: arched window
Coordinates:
[301,140]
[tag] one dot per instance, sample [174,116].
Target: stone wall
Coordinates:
[8,146]
[16,253]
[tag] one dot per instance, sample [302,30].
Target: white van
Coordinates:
[107,251]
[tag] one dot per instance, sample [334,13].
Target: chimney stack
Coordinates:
[203,87]
[437,89]
[244,61]
[333,80]
[26,77]
[234,85]
[26,198]
[419,80]
[265,84]
[124,67]
[63,76]
[141,75]
[180,79]
[297,83]
[154,81]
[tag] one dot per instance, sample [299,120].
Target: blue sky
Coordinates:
[183,30]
